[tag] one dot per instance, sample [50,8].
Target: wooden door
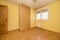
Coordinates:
[3,19]
[24,17]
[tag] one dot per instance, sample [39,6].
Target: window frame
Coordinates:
[41,14]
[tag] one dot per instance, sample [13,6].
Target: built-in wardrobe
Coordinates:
[24,17]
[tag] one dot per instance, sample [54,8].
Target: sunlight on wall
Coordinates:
[53,22]
[33,17]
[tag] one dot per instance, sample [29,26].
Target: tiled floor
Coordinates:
[31,34]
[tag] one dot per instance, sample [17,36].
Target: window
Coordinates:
[38,16]
[42,15]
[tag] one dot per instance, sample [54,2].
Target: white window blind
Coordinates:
[38,16]
[43,15]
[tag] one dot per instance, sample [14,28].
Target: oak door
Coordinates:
[24,17]
[3,19]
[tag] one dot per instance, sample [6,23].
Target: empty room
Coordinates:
[29,19]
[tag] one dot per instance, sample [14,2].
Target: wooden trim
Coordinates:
[19,18]
[7,17]
[13,30]
[3,5]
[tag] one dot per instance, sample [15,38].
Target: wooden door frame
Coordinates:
[20,16]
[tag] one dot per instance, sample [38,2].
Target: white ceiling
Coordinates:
[30,3]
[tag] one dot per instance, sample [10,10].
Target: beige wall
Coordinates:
[13,15]
[33,17]
[53,23]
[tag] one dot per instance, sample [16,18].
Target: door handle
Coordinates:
[1,25]
[6,19]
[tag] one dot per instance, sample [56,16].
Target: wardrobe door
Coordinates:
[24,17]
